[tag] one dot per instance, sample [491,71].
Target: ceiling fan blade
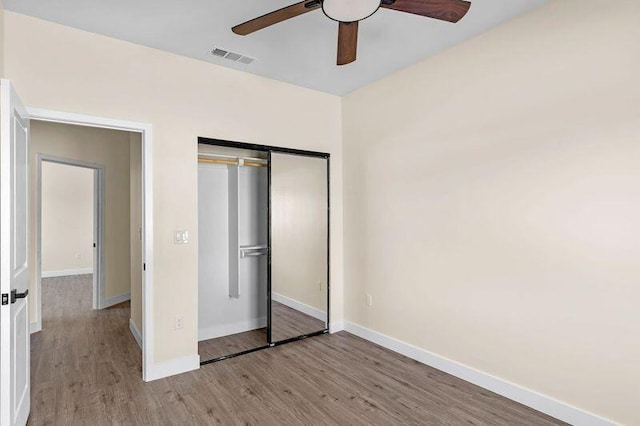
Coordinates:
[347,42]
[277,16]
[445,10]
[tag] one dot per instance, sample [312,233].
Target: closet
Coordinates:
[263,247]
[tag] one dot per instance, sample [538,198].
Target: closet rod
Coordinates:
[230,162]
[230,157]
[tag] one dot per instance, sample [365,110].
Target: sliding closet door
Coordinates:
[299,236]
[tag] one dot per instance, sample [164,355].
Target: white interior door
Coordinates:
[14,270]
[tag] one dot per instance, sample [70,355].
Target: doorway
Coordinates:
[106,293]
[73,237]
[144,231]
[18,260]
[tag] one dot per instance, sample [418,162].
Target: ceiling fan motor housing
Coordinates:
[350,10]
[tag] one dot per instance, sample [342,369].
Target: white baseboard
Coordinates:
[530,398]
[336,327]
[214,332]
[135,332]
[299,306]
[34,327]
[66,272]
[176,366]
[115,300]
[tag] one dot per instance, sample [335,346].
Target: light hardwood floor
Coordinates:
[86,370]
[232,344]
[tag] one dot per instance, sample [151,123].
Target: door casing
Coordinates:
[99,187]
[150,371]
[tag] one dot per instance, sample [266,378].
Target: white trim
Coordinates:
[234,328]
[299,306]
[543,403]
[42,114]
[12,109]
[34,327]
[112,301]
[146,131]
[336,327]
[99,205]
[147,244]
[66,273]
[175,366]
[5,249]
[135,332]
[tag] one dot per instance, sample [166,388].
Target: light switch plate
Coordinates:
[181,237]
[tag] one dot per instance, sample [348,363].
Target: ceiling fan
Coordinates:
[349,12]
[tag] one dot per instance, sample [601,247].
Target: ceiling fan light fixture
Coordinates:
[349,13]
[350,10]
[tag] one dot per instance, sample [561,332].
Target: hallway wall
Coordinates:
[67,220]
[109,148]
[135,226]
[1,39]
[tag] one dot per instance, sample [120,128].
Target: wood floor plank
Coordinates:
[86,371]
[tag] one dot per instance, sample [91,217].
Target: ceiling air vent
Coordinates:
[231,56]
[246,60]
[219,52]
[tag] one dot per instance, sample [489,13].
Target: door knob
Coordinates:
[15,295]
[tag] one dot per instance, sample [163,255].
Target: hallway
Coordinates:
[80,353]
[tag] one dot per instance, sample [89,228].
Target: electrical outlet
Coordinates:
[77,256]
[179,322]
[369,300]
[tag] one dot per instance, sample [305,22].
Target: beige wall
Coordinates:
[183,99]
[135,224]
[67,218]
[109,148]
[1,38]
[492,197]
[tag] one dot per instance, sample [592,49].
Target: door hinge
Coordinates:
[94,245]
[5,298]
[144,266]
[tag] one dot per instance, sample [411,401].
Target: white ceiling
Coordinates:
[301,50]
